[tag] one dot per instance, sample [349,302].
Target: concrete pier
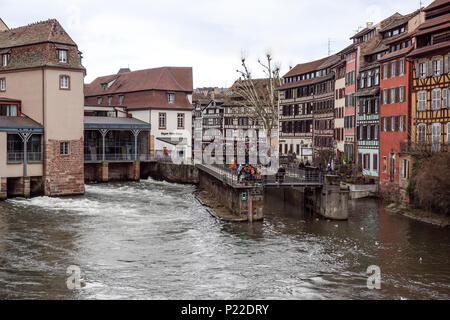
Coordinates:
[333,200]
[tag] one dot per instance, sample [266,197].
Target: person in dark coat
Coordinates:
[280,174]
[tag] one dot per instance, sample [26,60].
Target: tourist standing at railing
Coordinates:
[239,173]
[280,174]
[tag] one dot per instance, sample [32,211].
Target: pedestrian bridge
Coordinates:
[292,178]
[245,197]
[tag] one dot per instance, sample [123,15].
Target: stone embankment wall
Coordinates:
[175,173]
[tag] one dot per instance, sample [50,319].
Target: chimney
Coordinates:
[369,24]
[124,70]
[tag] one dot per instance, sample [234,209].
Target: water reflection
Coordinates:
[152,240]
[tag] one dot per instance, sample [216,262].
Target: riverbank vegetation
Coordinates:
[429,186]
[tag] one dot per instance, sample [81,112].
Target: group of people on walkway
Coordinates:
[249,173]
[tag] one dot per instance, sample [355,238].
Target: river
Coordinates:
[153,240]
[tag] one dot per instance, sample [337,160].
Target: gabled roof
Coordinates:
[396,22]
[363,32]
[306,67]
[164,78]
[40,32]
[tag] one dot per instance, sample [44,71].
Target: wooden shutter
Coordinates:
[445,98]
[429,68]
[441,62]
[398,67]
[397,124]
[397,94]
[382,124]
[417,70]
[446,61]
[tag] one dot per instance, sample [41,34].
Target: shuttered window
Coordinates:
[437,67]
[448,133]
[402,67]
[401,95]
[436,99]
[385,71]
[405,169]
[393,95]
[445,98]
[393,69]
[385,96]
[436,137]
[422,133]
[422,100]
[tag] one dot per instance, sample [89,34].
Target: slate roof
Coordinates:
[114,123]
[9,123]
[164,78]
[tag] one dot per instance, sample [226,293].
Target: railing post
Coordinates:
[25,136]
[103,132]
[136,135]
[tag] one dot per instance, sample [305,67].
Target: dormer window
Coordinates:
[62,56]
[5,60]
[171,98]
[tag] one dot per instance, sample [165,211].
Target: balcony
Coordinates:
[17,157]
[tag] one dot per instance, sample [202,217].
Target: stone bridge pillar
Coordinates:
[3,189]
[333,200]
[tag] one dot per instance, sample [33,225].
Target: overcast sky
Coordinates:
[208,35]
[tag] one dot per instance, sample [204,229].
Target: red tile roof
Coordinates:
[306,82]
[428,49]
[435,21]
[164,78]
[45,31]
[395,54]
[437,4]
[305,67]
[313,66]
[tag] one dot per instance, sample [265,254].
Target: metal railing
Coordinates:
[17,157]
[97,157]
[118,157]
[305,176]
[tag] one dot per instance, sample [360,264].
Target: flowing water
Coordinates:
[153,240]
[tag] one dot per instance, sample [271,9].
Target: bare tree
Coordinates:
[260,96]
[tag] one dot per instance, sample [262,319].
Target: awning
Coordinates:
[173,141]
[19,124]
[93,123]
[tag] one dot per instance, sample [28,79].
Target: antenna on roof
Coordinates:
[329,46]
[357,30]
